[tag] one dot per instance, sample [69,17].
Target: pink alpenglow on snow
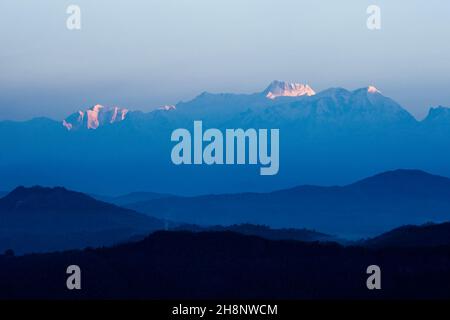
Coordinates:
[95,117]
[372,89]
[287,89]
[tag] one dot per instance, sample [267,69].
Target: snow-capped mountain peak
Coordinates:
[287,89]
[95,117]
[373,89]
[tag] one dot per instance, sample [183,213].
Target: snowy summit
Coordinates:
[95,117]
[288,89]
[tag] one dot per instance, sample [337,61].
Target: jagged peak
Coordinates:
[287,89]
[438,113]
[440,109]
[94,117]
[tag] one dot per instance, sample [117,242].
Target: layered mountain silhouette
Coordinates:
[361,209]
[45,219]
[226,265]
[330,137]
[40,219]
[265,232]
[130,198]
[428,235]
[249,236]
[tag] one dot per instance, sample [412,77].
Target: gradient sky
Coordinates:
[143,54]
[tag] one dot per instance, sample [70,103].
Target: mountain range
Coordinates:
[265,232]
[361,209]
[308,232]
[40,219]
[326,138]
[130,198]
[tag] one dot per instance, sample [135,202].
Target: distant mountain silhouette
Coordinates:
[331,137]
[132,197]
[226,265]
[45,219]
[265,232]
[438,117]
[428,235]
[362,209]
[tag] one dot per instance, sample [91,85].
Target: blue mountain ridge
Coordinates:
[333,137]
[361,209]
[41,219]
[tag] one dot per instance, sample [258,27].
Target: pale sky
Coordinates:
[143,54]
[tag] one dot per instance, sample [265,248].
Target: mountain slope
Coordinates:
[44,219]
[428,235]
[365,208]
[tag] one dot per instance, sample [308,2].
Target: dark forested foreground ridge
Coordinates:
[226,265]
